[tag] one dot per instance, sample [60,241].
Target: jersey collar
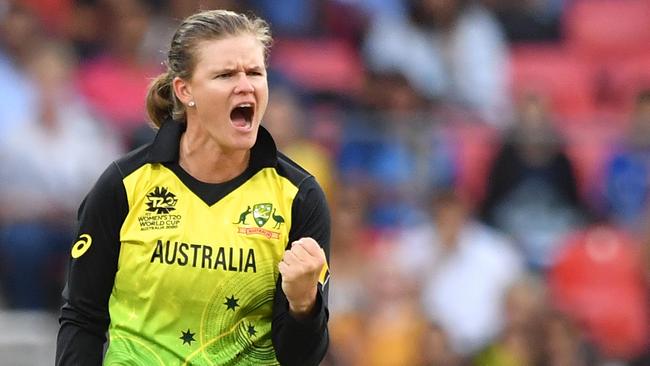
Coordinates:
[166,146]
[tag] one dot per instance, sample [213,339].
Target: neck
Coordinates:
[206,161]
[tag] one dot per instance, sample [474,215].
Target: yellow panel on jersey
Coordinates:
[198,292]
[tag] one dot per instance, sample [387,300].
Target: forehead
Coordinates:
[231,51]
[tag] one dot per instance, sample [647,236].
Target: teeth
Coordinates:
[244,105]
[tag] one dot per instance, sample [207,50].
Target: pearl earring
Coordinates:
[191,103]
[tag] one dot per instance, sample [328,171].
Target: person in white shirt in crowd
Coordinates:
[464,269]
[450,50]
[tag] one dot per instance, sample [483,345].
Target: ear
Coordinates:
[182,89]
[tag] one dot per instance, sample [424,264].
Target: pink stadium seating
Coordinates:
[477,146]
[608,28]
[630,75]
[321,66]
[566,80]
[588,149]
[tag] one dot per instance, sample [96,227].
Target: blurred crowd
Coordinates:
[487,162]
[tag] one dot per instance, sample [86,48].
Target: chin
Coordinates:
[244,141]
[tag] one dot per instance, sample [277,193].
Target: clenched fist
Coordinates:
[300,268]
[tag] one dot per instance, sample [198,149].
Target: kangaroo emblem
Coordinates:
[279,220]
[242,216]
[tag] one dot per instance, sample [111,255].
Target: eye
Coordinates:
[254,73]
[224,75]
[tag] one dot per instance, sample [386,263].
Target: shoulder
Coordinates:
[132,161]
[310,194]
[293,172]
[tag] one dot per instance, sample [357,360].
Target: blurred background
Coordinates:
[487,164]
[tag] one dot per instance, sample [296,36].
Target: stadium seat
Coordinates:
[607,28]
[588,149]
[55,15]
[319,65]
[553,72]
[628,76]
[476,147]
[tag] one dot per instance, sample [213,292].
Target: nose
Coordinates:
[244,85]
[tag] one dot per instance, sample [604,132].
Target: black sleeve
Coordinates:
[91,272]
[304,342]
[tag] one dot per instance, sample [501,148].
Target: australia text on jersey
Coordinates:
[204,256]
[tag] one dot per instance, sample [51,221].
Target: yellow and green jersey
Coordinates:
[182,272]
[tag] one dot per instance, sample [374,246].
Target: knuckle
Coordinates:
[320,261]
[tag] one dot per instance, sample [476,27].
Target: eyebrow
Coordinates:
[234,69]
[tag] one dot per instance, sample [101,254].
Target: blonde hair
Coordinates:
[161,101]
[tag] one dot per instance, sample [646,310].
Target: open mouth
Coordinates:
[242,115]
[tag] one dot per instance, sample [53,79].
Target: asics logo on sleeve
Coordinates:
[81,246]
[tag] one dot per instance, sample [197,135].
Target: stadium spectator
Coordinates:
[19,31]
[436,348]
[450,50]
[291,18]
[520,341]
[529,21]
[393,323]
[464,269]
[352,245]
[392,147]
[627,171]
[598,282]
[532,193]
[564,343]
[49,162]
[287,120]
[644,358]
[115,81]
